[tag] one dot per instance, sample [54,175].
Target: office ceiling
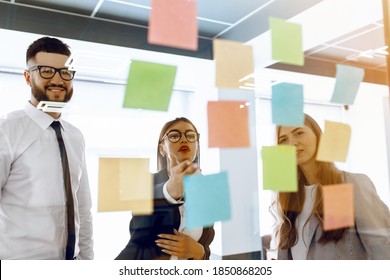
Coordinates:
[364,48]
[125,23]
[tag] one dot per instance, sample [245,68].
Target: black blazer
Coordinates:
[165,218]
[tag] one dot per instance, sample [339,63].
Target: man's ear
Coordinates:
[27,77]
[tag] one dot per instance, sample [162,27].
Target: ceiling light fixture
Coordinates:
[368,54]
[382,50]
[94,62]
[373,52]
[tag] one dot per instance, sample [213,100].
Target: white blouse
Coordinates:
[299,250]
[194,233]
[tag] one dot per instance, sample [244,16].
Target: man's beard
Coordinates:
[41,95]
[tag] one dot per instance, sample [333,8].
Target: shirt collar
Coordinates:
[42,119]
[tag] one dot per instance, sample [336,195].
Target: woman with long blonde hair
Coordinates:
[300,233]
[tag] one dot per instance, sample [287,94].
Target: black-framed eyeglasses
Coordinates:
[48,72]
[174,136]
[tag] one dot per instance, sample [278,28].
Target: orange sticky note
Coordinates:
[228,125]
[125,184]
[334,142]
[338,206]
[174,23]
[234,62]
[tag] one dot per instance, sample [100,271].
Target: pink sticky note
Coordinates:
[228,124]
[174,23]
[338,206]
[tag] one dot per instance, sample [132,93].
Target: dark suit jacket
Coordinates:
[165,217]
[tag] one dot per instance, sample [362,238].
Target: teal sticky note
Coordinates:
[348,79]
[286,38]
[149,86]
[280,168]
[207,199]
[287,104]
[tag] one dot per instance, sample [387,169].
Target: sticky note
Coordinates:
[287,104]
[338,206]
[286,38]
[348,79]
[334,142]
[233,62]
[125,184]
[149,86]
[207,199]
[280,168]
[174,23]
[228,124]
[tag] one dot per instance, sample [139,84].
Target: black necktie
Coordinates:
[68,190]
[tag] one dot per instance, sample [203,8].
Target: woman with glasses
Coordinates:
[163,235]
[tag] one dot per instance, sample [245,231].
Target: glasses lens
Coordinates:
[191,136]
[174,136]
[47,72]
[66,74]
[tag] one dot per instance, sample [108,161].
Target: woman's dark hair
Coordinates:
[162,160]
[49,45]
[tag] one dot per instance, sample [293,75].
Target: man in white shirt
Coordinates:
[33,200]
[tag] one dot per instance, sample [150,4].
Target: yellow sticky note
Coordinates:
[338,206]
[334,142]
[286,41]
[125,184]
[228,124]
[233,61]
[280,168]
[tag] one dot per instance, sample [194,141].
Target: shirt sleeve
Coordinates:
[169,198]
[372,219]
[5,159]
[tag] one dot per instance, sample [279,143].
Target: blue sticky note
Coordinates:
[348,80]
[287,104]
[207,199]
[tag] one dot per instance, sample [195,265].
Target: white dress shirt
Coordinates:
[33,223]
[194,233]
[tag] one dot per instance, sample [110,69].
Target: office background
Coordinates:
[331,36]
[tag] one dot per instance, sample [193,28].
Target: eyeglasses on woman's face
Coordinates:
[174,136]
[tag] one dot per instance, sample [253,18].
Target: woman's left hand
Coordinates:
[180,245]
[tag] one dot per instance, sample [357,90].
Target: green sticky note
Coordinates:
[286,41]
[280,168]
[149,86]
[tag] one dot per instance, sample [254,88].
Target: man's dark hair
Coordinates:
[49,45]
